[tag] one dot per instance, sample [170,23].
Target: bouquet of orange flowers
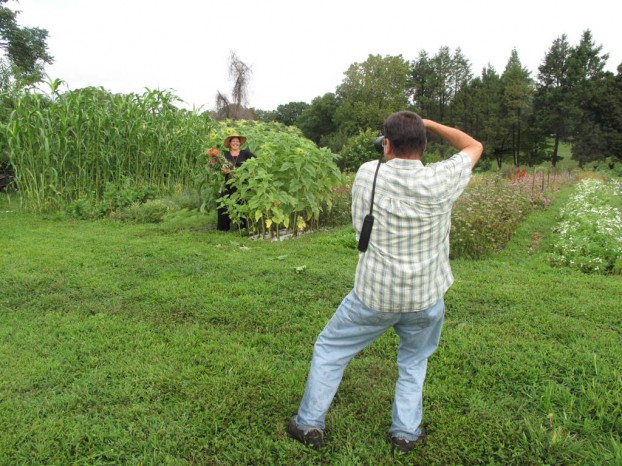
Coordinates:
[217,161]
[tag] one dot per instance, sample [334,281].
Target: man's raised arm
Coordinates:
[457,138]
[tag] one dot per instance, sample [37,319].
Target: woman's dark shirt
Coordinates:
[240,159]
[236,161]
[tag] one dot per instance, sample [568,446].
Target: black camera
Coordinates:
[379,144]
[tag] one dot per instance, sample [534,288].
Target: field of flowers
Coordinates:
[493,206]
[590,229]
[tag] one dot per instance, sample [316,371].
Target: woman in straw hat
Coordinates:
[237,156]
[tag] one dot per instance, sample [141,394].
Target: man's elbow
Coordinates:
[474,151]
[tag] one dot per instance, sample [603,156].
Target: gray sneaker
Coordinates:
[313,438]
[403,445]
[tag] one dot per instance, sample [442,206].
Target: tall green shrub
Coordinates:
[286,186]
[358,150]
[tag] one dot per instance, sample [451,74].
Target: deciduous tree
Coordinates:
[317,120]
[25,47]
[288,113]
[372,90]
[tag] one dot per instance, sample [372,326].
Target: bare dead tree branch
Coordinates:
[223,107]
[239,73]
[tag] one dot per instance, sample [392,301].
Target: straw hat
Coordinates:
[228,139]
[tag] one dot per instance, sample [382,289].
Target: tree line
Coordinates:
[518,117]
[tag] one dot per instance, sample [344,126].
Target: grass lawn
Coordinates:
[170,344]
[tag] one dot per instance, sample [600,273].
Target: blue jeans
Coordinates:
[353,327]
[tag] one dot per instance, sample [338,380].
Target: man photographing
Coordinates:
[400,279]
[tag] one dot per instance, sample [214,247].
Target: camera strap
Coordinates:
[368,221]
[373,189]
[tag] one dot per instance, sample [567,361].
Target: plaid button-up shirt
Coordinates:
[406,267]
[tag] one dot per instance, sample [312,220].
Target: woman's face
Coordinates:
[235,144]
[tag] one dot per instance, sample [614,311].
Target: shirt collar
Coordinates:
[405,163]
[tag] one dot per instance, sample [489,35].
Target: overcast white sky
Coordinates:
[298,49]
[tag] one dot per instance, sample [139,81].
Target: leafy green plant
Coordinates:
[151,211]
[116,196]
[358,150]
[210,180]
[590,230]
[285,187]
[340,213]
[82,209]
[126,193]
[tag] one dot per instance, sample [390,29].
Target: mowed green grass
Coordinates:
[169,344]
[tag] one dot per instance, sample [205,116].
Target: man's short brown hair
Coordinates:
[406,132]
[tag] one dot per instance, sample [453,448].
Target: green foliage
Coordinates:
[334,141]
[371,91]
[340,214]
[210,180]
[590,138]
[83,209]
[265,116]
[286,186]
[479,103]
[609,103]
[26,48]
[437,83]
[570,88]
[517,89]
[491,209]
[288,114]
[609,166]
[116,197]
[434,153]
[590,229]
[72,146]
[151,211]
[358,150]
[317,120]
[127,193]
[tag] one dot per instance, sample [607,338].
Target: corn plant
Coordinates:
[70,146]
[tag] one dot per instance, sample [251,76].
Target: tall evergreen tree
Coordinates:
[553,104]
[436,81]
[516,105]
[586,70]
[460,76]
[422,84]
[609,105]
[442,90]
[489,127]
